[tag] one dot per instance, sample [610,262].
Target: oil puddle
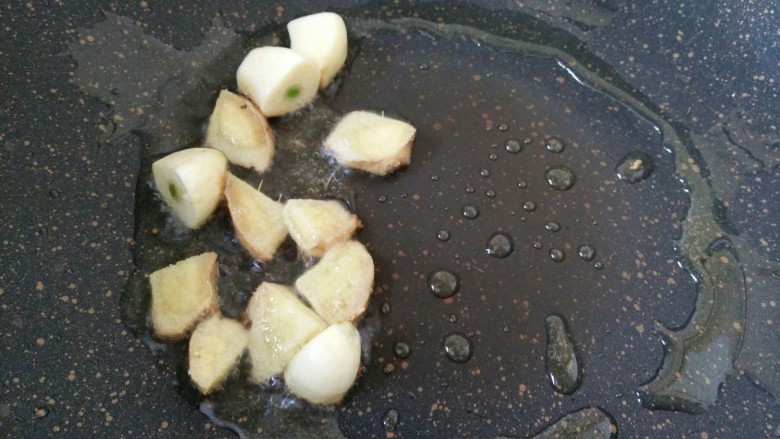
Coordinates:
[590,423]
[555,192]
[562,363]
[719,317]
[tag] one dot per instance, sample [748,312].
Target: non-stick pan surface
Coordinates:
[690,251]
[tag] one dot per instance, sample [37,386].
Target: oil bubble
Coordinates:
[586,252]
[470,189]
[504,127]
[470,211]
[257,266]
[537,245]
[552,226]
[443,235]
[499,245]
[490,194]
[557,254]
[402,350]
[390,420]
[458,348]
[443,283]
[385,308]
[484,172]
[554,145]
[493,156]
[560,178]
[513,146]
[522,184]
[635,167]
[529,206]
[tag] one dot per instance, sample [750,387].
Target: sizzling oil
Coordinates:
[578,124]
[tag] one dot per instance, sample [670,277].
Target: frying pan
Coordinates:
[693,248]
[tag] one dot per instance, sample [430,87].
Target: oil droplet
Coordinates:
[390,421]
[557,254]
[41,412]
[522,184]
[586,252]
[470,211]
[382,199]
[560,178]
[493,156]
[513,146]
[635,167]
[257,266]
[561,361]
[402,350]
[537,245]
[452,318]
[590,423]
[434,177]
[529,206]
[552,226]
[490,194]
[500,245]
[386,308]
[598,265]
[470,189]
[504,127]
[424,67]
[484,172]
[443,235]
[555,145]
[443,283]
[458,347]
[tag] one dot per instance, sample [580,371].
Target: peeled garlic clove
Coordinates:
[322,38]
[191,183]
[278,80]
[326,367]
